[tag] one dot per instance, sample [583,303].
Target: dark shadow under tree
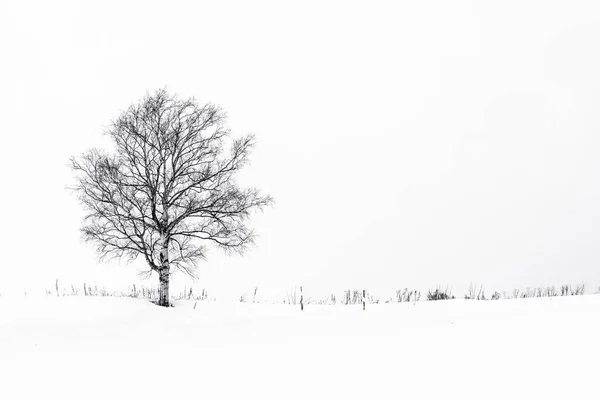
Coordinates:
[168,187]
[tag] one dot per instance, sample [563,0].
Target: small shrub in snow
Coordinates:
[190,295]
[550,291]
[291,296]
[475,293]
[439,294]
[354,296]
[567,290]
[372,300]
[328,301]
[407,296]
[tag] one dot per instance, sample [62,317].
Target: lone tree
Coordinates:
[168,187]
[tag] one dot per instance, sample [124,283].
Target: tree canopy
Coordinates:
[169,186]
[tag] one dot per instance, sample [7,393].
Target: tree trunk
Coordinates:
[163,274]
[163,289]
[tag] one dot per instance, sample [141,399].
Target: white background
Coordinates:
[406,143]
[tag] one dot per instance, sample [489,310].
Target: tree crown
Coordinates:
[169,183]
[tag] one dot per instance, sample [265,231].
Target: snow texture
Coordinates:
[120,348]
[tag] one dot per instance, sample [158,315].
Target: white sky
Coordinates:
[406,143]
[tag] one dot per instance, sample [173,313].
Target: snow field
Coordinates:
[121,348]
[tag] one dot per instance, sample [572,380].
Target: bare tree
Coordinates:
[168,188]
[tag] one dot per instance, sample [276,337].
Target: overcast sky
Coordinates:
[406,143]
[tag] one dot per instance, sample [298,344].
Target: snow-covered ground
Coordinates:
[120,348]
